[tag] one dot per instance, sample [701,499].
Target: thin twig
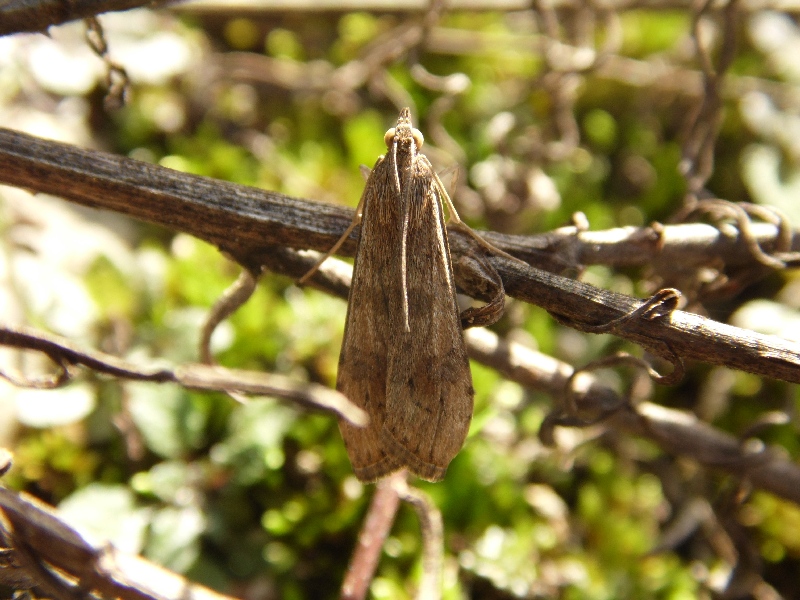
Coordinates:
[211,209]
[377,524]
[677,432]
[56,556]
[193,376]
[430,521]
[230,300]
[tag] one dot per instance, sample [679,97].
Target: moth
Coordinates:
[403,357]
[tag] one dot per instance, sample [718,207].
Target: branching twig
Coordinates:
[377,524]
[676,432]
[194,376]
[212,210]
[261,220]
[664,77]
[697,164]
[376,527]
[117,80]
[430,520]
[236,295]
[18,16]
[56,556]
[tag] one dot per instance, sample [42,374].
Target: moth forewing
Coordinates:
[362,361]
[429,387]
[403,358]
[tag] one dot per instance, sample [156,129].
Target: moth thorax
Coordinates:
[416,135]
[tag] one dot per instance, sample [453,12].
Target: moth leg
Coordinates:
[491,312]
[446,199]
[356,220]
[457,223]
[482,275]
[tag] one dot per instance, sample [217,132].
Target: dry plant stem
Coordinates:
[430,520]
[659,306]
[17,16]
[681,334]
[117,81]
[665,77]
[377,524]
[52,552]
[355,223]
[241,220]
[742,213]
[698,150]
[51,584]
[232,298]
[192,376]
[248,223]
[677,432]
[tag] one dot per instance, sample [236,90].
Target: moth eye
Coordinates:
[418,139]
[388,138]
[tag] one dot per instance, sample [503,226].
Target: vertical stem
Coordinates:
[430,521]
[377,524]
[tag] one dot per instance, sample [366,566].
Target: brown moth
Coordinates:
[403,357]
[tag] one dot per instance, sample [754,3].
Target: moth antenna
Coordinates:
[394,163]
[403,271]
[403,247]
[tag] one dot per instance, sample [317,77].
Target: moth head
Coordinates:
[416,135]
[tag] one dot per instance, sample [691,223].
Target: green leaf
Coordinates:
[107,513]
[254,442]
[174,537]
[168,420]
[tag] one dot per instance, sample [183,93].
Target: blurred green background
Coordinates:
[542,115]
